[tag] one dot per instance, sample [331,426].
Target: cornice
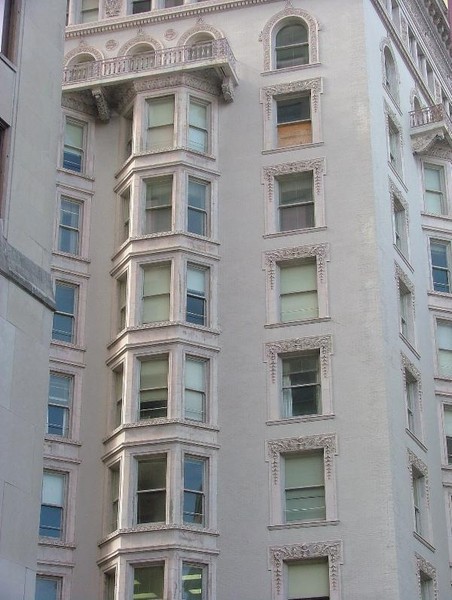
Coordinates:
[158,16]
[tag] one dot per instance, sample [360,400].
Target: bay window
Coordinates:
[198,128]
[159,193]
[160,134]
[148,581]
[156,293]
[196,295]
[154,388]
[151,490]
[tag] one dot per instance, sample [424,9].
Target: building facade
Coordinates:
[31,48]
[291,437]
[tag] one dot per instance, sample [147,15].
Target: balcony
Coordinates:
[215,54]
[429,125]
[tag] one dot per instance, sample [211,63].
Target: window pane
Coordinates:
[198,115]
[65,298]
[151,493]
[196,280]
[309,579]
[298,278]
[60,388]
[50,521]
[432,178]
[46,588]
[448,421]
[293,109]
[57,420]
[73,135]
[303,471]
[195,374]
[197,194]
[53,489]
[295,33]
[161,111]
[192,582]
[296,217]
[148,583]
[444,336]
[152,473]
[197,139]
[157,280]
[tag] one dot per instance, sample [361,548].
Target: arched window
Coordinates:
[390,72]
[292,45]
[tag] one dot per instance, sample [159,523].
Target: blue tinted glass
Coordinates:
[193,474]
[65,298]
[72,161]
[196,221]
[195,310]
[50,521]
[62,328]
[439,255]
[56,417]
[46,589]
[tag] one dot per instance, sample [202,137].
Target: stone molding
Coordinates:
[82,48]
[407,365]
[103,108]
[321,343]
[394,93]
[423,566]
[112,8]
[269,93]
[200,27]
[140,38]
[267,36]
[432,143]
[272,258]
[400,276]
[281,554]
[397,194]
[79,101]
[317,165]
[415,462]
[326,442]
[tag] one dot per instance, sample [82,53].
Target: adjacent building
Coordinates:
[250,369]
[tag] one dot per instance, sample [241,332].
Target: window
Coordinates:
[198,202]
[395,152]
[296,201]
[298,291]
[419,502]
[308,580]
[74,154]
[129,135]
[122,302]
[114,497]
[156,293]
[194,493]
[151,491]
[69,227]
[426,587]
[7,22]
[400,226]
[47,588]
[301,385]
[406,311]
[293,116]
[52,505]
[444,342]
[60,400]
[195,389]
[304,487]
[390,73]
[439,252]
[448,432]
[434,188]
[193,582]
[412,402]
[160,122]
[125,216]
[90,11]
[196,296]
[109,585]
[148,582]
[118,391]
[292,47]
[139,6]
[198,128]
[159,193]
[154,388]
[64,317]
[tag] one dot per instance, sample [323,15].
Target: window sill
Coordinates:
[404,258]
[158,422]
[67,345]
[416,439]
[298,525]
[446,467]
[446,216]
[302,419]
[395,101]
[409,345]
[398,175]
[8,62]
[43,541]
[74,257]
[303,322]
[76,174]
[294,232]
[291,69]
[423,541]
[147,527]
[435,294]
[48,437]
[297,147]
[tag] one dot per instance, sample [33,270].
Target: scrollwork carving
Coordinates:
[112,8]
[281,554]
[200,27]
[83,48]
[423,566]
[317,165]
[268,93]
[407,365]
[272,258]
[423,142]
[140,38]
[420,466]
[102,104]
[321,343]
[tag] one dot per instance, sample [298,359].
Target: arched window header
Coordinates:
[292,45]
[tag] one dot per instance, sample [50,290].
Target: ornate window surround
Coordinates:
[416,465]
[268,97]
[393,93]
[274,351]
[390,116]
[407,365]
[425,567]
[402,280]
[269,178]
[276,450]
[274,24]
[397,196]
[274,258]
[279,555]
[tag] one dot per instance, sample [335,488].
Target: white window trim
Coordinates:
[394,93]
[79,281]
[120,275]
[273,353]
[280,555]
[407,365]
[88,143]
[83,198]
[269,178]
[445,242]
[397,197]
[268,35]
[70,370]
[269,97]
[272,260]
[390,117]
[276,451]
[446,404]
[445,166]
[402,280]
[425,567]
[416,464]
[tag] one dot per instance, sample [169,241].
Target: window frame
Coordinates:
[167,358]
[420,490]
[447,439]
[202,494]
[400,221]
[447,269]
[446,323]
[442,192]
[197,295]
[394,142]
[406,302]
[73,315]
[208,128]
[59,585]
[281,26]
[84,165]
[426,570]
[70,229]
[302,490]
[148,457]
[63,507]
[206,362]
[68,407]
[148,266]
[204,577]
[171,206]
[122,296]
[391,79]
[114,495]
[412,392]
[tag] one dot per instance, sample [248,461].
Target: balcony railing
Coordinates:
[429,116]
[206,54]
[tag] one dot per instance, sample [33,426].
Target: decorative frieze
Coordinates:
[112,8]
[321,343]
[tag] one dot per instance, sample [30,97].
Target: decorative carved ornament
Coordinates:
[281,554]
[200,27]
[404,32]
[102,104]
[81,49]
[423,566]
[80,101]
[227,89]
[111,44]
[425,142]
[420,466]
[112,8]
[407,365]
[269,93]
[396,195]
[400,276]
[268,33]
[140,38]
[321,343]
[272,258]
[170,34]
[325,442]
[394,93]
[317,165]
[176,80]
